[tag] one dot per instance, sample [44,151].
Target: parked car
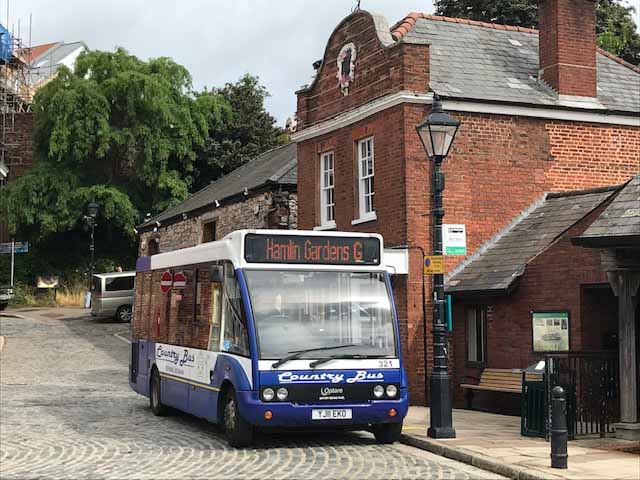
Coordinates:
[6,295]
[112,295]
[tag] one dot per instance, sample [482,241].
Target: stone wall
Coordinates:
[263,210]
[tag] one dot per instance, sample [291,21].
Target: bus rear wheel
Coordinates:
[155,402]
[387,432]
[238,431]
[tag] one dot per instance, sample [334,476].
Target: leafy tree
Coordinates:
[117,130]
[617,32]
[246,131]
[523,13]
[615,27]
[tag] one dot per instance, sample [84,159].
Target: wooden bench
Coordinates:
[499,380]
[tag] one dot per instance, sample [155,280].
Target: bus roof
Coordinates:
[232,248]
[115,274]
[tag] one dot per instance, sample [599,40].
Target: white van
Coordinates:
[112,295]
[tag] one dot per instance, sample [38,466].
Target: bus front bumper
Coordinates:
[285,414]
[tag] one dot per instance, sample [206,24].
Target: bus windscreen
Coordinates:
[338,313]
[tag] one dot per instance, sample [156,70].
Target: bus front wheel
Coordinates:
[155,402]
[387,432]
[238,431]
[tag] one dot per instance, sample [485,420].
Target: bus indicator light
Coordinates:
[268,415]
[392,412]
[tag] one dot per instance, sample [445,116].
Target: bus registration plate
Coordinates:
[331,414]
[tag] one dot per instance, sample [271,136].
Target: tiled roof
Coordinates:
[274,167]
[28,55]
[500,262]
[485,61]
[619,224]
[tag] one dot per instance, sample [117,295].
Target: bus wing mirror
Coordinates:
[217,273]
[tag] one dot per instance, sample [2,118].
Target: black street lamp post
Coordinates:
[92,210]
[437,132]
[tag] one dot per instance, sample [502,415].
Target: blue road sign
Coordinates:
[19,247]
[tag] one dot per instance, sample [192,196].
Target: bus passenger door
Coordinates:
[208,303]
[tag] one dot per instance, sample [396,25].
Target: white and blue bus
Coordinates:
[272,328]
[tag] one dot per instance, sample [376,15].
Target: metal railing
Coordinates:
[592,386]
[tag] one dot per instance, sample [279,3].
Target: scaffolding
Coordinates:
[16,92]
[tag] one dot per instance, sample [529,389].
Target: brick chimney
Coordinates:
[567,46]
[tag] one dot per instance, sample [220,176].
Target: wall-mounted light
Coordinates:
[246,192]
[184,216]
[217,204]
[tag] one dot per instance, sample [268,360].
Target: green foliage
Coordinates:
[118,131]
[616,30]
[522,13]
[242,132]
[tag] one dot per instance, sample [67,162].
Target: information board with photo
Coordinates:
[550,331]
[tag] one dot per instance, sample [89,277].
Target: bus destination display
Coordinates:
[311,250]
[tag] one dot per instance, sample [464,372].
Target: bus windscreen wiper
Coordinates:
[357,356]
[297,353]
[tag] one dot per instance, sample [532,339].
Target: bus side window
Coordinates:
[215,319]
[235,336]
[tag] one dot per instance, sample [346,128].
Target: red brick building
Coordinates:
[540,112]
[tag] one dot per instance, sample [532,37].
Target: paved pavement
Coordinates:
[494,443]
[68,412]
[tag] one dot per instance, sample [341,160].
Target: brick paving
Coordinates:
[67,412]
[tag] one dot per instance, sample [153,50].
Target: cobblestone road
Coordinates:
[67,412]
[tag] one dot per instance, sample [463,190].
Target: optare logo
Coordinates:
[324,391]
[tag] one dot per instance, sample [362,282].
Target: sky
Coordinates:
[216,40]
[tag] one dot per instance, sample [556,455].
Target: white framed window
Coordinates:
[327,193]
[366,187]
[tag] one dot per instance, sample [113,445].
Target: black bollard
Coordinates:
[559,432]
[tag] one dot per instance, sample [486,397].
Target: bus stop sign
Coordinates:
[166,282]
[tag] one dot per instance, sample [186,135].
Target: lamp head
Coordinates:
[437,131]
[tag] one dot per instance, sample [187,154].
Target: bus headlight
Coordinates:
[378,391]
[282,394]
[392,391]
[267,394]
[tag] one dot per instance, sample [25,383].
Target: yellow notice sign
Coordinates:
[433,264]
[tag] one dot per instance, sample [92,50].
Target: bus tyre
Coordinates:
[238,431]
[124,313]
[387,432]
[157,407]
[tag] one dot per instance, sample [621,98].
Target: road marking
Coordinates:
[15,315]
[122,338]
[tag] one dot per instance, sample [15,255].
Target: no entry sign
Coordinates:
[166,282]
[179,280]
